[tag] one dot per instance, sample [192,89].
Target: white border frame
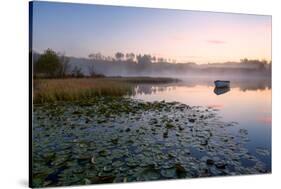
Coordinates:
[14,91]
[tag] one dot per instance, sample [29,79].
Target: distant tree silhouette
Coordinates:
[77,72]
[130,56]
[91,68]
[64,68]
[160,59]
[119,56]
[153,59]
[144,59]
[48,64]
[51,64]
[96,56]
[244,60]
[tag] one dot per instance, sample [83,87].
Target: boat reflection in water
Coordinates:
[221,90]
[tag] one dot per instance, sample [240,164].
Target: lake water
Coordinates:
[115,139]
[248,103]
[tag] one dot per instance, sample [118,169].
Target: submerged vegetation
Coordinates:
[117,139]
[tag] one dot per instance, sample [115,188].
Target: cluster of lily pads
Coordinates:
[117,139]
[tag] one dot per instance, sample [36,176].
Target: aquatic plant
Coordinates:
[115,139]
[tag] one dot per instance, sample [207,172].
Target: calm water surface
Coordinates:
[248,103]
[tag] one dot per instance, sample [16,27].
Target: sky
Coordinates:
[185,36]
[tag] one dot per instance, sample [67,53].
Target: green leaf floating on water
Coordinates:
[116,139]
[149,174]
[103,153]
[169,125]
[169,173]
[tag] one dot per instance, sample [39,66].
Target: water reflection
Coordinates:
[221,90]
[248,103]
[146,89]
[245,84]
[246,97]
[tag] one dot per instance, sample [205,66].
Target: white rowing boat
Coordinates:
[220,83]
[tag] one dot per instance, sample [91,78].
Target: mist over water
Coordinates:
[177,70]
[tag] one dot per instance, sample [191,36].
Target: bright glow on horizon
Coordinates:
[186,36]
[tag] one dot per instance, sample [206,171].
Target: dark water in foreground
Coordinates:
[248,103]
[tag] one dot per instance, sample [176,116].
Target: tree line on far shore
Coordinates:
[51,64]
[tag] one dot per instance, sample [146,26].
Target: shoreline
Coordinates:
[73,89]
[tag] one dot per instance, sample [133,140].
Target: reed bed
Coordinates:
[74,89]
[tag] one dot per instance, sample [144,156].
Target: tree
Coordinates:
[145,59]
[130,57]
[119,56]
[245,60]
[160,59]
[153,59]
[64,68]
[76,72]
[48,64]
[96,56]
[91,67]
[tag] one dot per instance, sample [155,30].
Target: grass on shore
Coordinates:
[74,89]
[51,90]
